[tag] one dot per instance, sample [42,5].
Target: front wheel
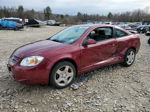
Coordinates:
[129,57]
[62,74]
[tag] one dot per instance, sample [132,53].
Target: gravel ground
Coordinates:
[109,89]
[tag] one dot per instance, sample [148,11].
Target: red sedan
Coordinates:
[73,51]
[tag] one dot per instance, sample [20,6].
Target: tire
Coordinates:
[129,57]
[15,29]
[1,27]
[62,74]
[149,41]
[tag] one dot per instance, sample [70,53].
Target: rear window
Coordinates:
[120,33]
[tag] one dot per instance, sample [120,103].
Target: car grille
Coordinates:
[14,59]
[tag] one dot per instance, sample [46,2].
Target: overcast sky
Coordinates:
[85,6]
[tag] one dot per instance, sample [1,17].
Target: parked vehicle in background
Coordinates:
[57,24]
[147,33]
[134,24]
[146,23]
[124,26]
[127,27]
[34,23]
[53,23]
[11,23]
[8,25]
[92,22]
[143,28]
[18,20]
[75,50]
[108,23]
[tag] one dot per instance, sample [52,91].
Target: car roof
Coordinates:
[94,25]
[98,25]
[102,25]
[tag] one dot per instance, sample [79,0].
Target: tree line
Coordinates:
[46,14]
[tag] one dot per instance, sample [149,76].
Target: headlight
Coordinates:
[31,61]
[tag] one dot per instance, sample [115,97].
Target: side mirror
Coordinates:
[89,42]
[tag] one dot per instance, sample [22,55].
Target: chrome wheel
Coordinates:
[130,57]
[64,75]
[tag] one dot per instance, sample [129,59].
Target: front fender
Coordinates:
[55,59]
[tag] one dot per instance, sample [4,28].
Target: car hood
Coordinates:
[38,48]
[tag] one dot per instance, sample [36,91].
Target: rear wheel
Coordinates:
[129,57]
[62,74]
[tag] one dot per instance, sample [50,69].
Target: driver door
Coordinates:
[105,48]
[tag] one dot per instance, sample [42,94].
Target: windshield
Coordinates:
[69,35]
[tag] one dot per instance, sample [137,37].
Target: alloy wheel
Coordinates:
[64,75]
[130,57]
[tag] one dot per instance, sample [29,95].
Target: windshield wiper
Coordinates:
[57,41]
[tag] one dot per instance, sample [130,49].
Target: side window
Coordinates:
[120,33]
[100,34]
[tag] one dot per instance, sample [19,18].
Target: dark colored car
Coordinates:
[73,51]
[147,33]
[143,28]
[127,27]
[34,23]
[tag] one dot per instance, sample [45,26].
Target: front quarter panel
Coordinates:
[73,53]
